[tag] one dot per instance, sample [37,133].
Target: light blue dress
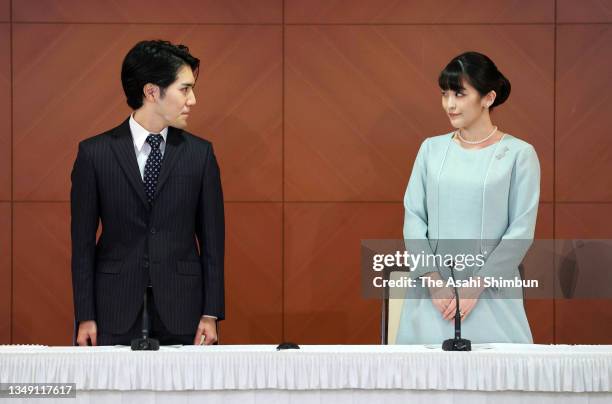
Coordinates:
[489,197]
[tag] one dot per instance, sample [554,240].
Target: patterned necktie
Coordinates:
[153,166]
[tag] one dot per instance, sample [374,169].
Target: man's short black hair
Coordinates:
[156,62]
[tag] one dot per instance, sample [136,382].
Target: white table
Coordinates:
[317,373]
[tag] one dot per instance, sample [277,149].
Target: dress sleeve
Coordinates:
[415,212]
[523,202]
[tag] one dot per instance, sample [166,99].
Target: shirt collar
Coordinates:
[139,134]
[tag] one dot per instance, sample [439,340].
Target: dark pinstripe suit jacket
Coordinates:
[178,240]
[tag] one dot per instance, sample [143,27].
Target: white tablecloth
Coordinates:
[545,371]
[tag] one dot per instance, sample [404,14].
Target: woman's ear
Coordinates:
[489,99]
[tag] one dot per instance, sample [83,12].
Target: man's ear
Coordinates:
[150,92]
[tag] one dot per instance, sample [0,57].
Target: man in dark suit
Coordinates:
[156,192]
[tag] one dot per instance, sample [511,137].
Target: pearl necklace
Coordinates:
[458,133]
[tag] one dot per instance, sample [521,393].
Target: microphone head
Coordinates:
[145,344]
[457,344]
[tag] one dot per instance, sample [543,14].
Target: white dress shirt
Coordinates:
[141,147]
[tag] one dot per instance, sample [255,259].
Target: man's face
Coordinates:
[175,105]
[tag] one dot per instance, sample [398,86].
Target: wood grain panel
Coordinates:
[418,11]
[583,144]
[584,11]
[59,102]
[583,321]
[5,273]
[42,286]
[323,300]
[360,100]
[148,11]
[5,10]
[253,274]
[5,113]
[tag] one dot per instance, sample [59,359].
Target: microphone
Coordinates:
[145,343]
[457,343]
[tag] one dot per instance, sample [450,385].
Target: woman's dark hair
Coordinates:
[478,70]
[156,62]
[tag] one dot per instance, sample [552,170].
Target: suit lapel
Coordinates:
[174,148]
[123,147]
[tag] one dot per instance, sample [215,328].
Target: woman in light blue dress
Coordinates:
[478,185]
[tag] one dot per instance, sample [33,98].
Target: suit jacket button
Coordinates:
[146,264]
[153,231]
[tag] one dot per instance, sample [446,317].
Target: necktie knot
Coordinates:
[154,140]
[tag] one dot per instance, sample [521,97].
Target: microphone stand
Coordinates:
[145,343]
[457,343]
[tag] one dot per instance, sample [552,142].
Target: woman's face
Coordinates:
[464,107]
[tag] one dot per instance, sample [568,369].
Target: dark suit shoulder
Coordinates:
[197,144]
[101,138]
[196,140]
